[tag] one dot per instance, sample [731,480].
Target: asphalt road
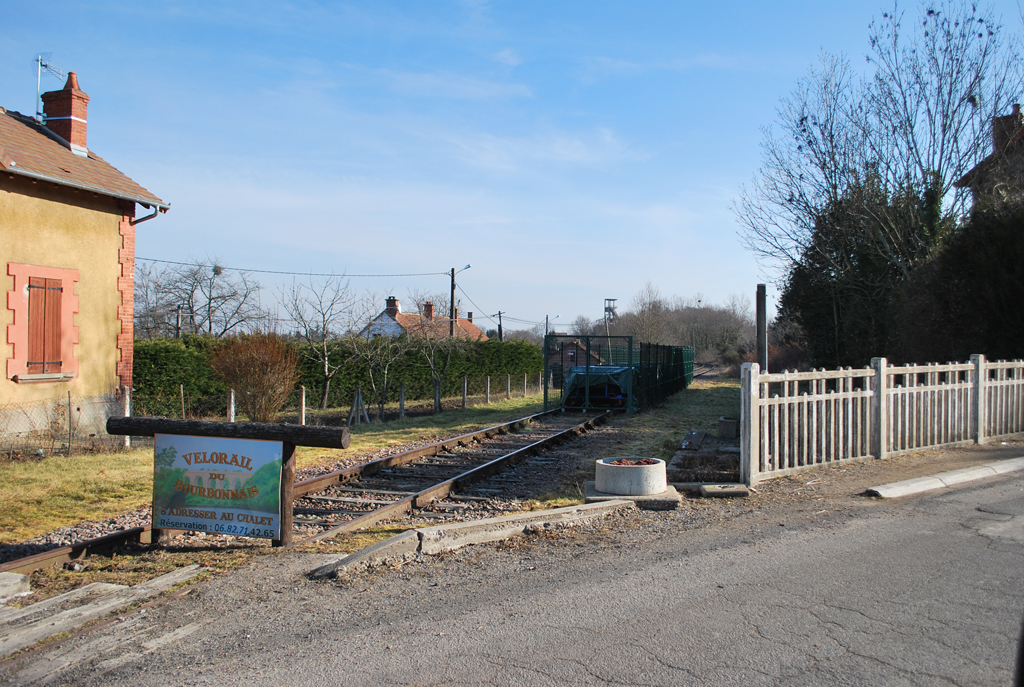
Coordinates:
[927,590]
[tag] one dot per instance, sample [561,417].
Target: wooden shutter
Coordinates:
[44,318]
[36,324]
[51,340]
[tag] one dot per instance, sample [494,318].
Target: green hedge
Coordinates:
[163,366]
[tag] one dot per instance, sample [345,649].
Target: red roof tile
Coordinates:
[32,150]
[418,325]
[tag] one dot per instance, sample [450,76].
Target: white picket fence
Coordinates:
[796,421]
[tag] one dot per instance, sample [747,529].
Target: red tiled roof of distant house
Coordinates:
[418,325]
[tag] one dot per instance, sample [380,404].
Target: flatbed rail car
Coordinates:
[612,372]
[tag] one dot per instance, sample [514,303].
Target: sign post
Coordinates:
[225,478]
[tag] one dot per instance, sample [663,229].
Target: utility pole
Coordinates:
[545,326]
[177,324]
[762,329]
[501,335]
[451,322]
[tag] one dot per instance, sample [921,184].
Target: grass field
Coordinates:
[38,496]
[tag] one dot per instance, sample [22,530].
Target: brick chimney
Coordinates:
[66,114]
[392,306]
[428,310]
[1003,129]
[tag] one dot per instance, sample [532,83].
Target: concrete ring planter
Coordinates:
[630,480]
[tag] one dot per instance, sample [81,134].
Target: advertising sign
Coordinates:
[220,486]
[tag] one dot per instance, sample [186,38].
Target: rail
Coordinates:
[304,488]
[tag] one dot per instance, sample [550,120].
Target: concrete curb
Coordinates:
[946,479]
[440,538]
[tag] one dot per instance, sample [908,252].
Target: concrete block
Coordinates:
[906,487]
[666,500]
[434,540]
[1004,466]
[393,548]
[723,490]
[111,599]
[966,475]
[728,428]
[12,584]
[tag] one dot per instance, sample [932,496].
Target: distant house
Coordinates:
[67,264]
[393,322]
[998,180]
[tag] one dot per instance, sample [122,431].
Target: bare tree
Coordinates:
[211,299]
[581,326]
[912,127]
[321,310]
[646,315]
[379,352]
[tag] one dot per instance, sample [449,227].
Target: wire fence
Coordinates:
[61,426]
[75,424]
[302,406]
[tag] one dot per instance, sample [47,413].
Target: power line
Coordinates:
[299,274]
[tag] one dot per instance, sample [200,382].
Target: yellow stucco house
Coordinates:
[67,263]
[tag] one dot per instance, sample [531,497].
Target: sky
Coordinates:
[570,152]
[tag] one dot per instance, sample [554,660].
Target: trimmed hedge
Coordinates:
[162,366]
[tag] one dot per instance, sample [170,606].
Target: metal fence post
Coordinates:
[980,410]
[879,409]
[231,405]
[750,427]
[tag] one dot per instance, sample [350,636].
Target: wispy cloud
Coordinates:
[601,65]
[508,56]
[596,148]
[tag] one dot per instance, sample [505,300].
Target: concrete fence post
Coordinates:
[979,411]
[487,390]
[750,426]
[508,387]
[879,409]
[526,385]
[465,389]
[126,410]
[231,405]
[302,406]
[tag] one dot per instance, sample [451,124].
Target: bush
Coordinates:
[262,369]
[161,366]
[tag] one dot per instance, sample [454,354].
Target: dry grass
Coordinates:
[659,432]
[38,496]
[366,438]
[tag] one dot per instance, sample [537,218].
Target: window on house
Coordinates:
[44,324]
[41,330]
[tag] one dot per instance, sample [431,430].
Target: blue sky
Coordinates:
[569,151]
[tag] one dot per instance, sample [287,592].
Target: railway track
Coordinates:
[449,476]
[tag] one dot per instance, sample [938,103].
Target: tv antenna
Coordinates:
[45,66]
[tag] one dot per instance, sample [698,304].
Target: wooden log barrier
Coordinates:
[300,435]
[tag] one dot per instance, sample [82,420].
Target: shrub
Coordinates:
[262,370]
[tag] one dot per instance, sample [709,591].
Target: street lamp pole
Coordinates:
[451,304]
